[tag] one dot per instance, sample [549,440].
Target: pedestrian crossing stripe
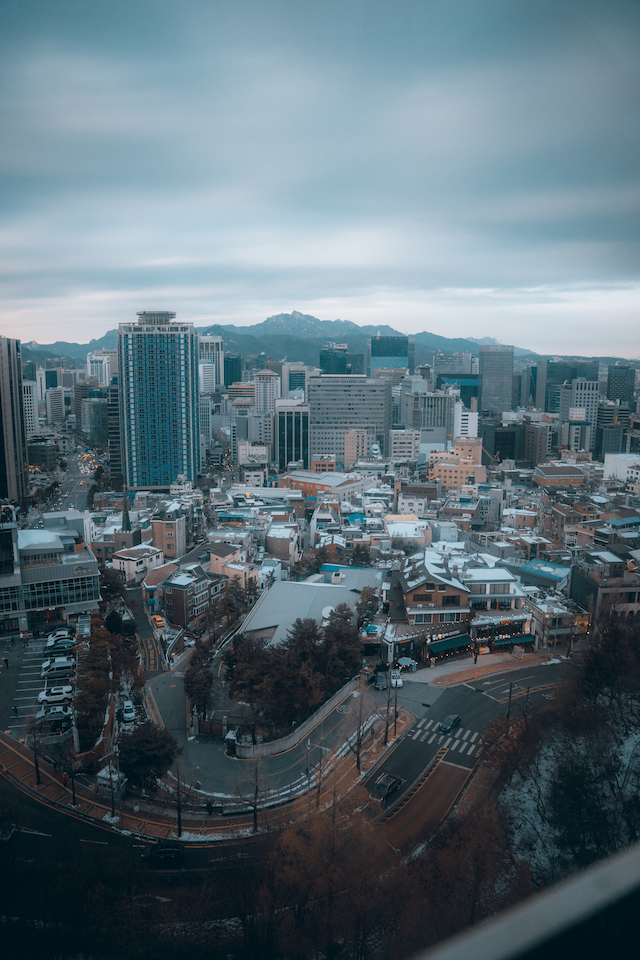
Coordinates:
[459,741]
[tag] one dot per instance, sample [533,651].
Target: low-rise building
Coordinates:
[135,563]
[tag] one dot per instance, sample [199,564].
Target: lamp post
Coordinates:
[179,806]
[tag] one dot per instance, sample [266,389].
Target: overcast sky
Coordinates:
[469,168]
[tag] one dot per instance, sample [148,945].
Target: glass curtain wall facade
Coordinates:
[495,392]
[159,409]
[292,435]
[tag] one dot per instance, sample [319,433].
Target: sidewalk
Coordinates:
[462,671]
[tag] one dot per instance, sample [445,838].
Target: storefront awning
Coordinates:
[518,638]
[439,646]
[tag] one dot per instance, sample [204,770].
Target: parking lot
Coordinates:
[20,684]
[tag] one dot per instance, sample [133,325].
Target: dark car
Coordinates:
[386,785]
[450,723]
[165,851]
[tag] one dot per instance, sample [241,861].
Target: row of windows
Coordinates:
[437,617]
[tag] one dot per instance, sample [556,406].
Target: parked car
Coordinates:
[165,851]
[62,693]
[381,679]
[58,635]
[128,712]
[450,723]
[58,667]
[158,622]
[396,679]
[60,647]
[50,713]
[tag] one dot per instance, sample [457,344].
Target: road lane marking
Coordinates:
[420,722]
[447,741]
[432,737]
[466,734]
[428,724]
[473,738]
[471,749]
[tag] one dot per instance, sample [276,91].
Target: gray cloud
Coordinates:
[455,165]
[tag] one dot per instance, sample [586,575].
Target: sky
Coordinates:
[466,168]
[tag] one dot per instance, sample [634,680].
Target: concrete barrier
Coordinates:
[256,751]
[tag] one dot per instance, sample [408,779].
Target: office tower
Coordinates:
[335,358]
[51,379]
[341,403]
[552,374]
[14,472]
[465,422]
[428,410]
[496,379]
[28,370]
[620,383]
[30,407]
[292,433]
[578,413]
[232,368]
[293,377]
[390,353]
[210,364]
[99,366]
[158,362]
[539,439]
[54,400]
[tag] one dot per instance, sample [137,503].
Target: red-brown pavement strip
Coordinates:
[474,673]
[17,760]
[427,808]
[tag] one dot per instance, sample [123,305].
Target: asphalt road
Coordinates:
[476,704]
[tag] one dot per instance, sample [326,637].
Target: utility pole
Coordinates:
[509,707]
[395,712]
[179,807]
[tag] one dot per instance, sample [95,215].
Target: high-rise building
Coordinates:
[341,403]
[496,379]
[292,433]
[30,406]
[159,411]
[114,430]
[552,374]
[391,353]
[54,400]
[578,413]
[267,390]
[99,366]
[620,383]
[210,364]
[14,472]
[232,368]
[335,358]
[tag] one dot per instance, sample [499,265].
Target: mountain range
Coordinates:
[296,336]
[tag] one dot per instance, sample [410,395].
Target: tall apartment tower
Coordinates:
[338,404]
[496,379]
[14,472]
[159,411]
[620,383]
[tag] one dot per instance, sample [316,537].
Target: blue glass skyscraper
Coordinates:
[158,362]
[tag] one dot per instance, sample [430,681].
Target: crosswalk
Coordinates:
[461,740]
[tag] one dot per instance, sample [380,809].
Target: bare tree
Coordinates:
[251,790]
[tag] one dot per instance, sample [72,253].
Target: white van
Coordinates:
[58,667]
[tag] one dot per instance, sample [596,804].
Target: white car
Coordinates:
[60,694]
[128,712]
[61,634]
[57,712]
[396,678]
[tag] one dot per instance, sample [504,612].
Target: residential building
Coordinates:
[135,563]
[169,527]
[356,446]
[403,445]
[158,361]
[14,473]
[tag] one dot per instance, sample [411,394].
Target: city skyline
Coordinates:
[459,169]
